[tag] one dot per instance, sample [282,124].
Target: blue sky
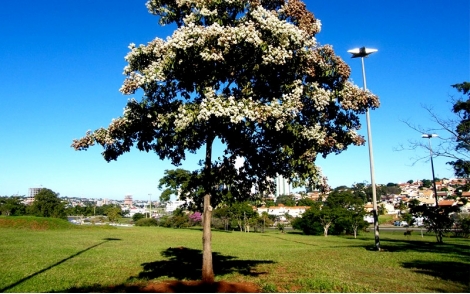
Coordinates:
[62,64]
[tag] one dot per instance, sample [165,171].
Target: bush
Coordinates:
[308,223]
[146,222]
[218,223]
[175,221]
[180,221]
[462,226]
[137,216]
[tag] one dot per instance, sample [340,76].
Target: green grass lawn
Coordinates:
[66,258]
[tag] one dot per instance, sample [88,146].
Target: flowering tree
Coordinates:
[248,73]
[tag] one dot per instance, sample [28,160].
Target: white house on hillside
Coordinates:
[281,210]
[173,205]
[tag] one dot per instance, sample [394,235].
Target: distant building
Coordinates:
[173,205]
[128,200]
[33,192]
[281,210]
[282,186]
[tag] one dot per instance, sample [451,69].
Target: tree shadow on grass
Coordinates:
[295,233]
[55,264]
[458,272]
[183,264]
[391,245]
[284,239]
[186,264]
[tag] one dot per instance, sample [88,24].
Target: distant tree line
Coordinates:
[47,203]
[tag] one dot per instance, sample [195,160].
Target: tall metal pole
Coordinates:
[371,161]
[150,209]
[429,136]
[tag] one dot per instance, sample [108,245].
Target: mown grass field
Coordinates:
[58,257]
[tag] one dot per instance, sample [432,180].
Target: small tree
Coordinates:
[224,214]
[47,204]
[12,206]
[266,220]
[454,133]
[436,219]
[462,225]
[241,212]
[247,73]
[195,218]
[342,211]
[408,218]
[381,209]
[355,216]
[327,217]
[113,213]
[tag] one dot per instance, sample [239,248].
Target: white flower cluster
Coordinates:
[279,39]
[321,97]
[314,133]
[285,32]
[354,98]
[239,110]
[137,74]
[317,25]
[160,54]
[103,137]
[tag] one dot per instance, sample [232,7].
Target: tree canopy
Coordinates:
[12,206]
[287,200]
[47,204]
[454,133]
[462,130]
[174,181]
[249,73]
[343,211]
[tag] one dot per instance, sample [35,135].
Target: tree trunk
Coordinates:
[207,267]
[355,231]
[325,230]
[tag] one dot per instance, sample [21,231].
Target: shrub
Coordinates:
[146,222]
[180,221]
[218,223]
[462,226]
[175,221]
[308,223]
[137,216]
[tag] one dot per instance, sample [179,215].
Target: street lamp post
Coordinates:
[364,52]
[430,136]
[150,207]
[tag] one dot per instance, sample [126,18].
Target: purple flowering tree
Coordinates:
[195,218]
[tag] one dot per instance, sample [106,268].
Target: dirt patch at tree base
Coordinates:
[176,287]
[199,287]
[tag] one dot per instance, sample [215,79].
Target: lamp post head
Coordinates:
[361,52]
[429,136]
